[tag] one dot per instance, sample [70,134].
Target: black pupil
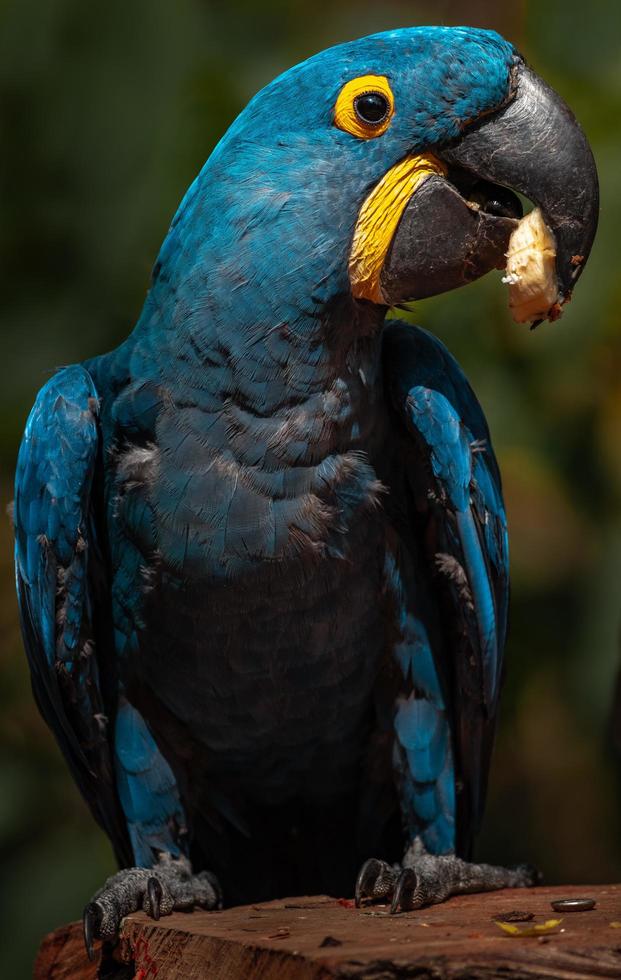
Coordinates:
[372,107]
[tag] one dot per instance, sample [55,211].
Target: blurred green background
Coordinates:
[108,111]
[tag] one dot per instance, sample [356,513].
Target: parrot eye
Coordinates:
[372,107]
[365,106]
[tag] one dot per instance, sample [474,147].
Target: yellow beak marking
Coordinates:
[378,219]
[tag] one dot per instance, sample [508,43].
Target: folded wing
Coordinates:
[61,587]
[455,525]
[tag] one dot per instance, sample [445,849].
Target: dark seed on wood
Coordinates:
[515,916]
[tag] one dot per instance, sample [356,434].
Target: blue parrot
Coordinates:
[261,547]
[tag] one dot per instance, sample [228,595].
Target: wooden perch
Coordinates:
[322,938]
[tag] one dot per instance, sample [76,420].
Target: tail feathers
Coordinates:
[147,789]
[423,762]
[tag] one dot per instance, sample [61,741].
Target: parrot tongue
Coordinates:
[451,233]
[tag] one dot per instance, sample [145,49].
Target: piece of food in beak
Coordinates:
[531,271]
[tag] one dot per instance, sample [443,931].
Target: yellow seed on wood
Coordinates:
[538,929]
[531,270]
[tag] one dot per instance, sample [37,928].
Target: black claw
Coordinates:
[155,893]
[368,872]
[215,884]
[91,921]
[406,883]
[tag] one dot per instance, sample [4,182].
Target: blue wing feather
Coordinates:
[461,529]
[54,543]
[114,759]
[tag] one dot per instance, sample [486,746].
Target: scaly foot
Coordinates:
[427,879]
[167,887]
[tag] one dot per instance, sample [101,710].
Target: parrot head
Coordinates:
[388,169]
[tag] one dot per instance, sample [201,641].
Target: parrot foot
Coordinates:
[428,879]
[168,887]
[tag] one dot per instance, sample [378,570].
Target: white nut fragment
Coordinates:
[531,271]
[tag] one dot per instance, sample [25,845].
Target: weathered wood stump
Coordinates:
[322,938]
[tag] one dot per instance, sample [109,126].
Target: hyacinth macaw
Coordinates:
[261,547]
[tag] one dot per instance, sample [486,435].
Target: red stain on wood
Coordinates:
[145,966]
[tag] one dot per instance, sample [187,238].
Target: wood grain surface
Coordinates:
[319,938]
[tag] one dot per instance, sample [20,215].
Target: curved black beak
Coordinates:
[533,146]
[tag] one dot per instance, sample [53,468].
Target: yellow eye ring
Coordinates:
[347,111]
